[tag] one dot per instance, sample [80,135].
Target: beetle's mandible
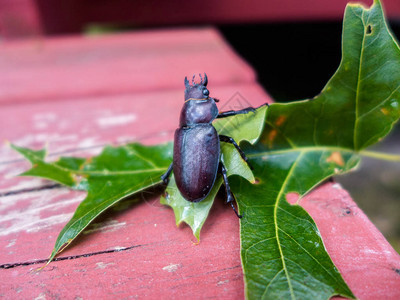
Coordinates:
[197,153]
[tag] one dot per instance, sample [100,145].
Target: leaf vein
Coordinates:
[356,109]
[382,103]
[269,284]
[310,255]
[283,187]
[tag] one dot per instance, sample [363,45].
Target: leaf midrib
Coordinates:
[121,196]
[302,149]
[104,172]
[279,196]
[356,117]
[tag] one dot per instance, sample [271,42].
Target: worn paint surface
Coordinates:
[135,249]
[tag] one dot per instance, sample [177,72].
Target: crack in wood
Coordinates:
[224,269]
[43,261]
[28,190]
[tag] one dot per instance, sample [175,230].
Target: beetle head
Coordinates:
[196,90]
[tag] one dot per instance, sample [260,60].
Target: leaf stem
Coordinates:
[366,153]
[380,155]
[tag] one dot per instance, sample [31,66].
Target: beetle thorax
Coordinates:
[198,111]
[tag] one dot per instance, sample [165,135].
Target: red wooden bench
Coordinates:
[78,94]
[23,18]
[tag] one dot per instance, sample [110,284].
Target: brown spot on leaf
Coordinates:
[280,120]
[271,137]
[336,158]
[87,161]
[330,132]
[385,111]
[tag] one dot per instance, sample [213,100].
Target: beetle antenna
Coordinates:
[186,82]
[193,83]
[201,79]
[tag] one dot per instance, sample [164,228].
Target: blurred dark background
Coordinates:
[294,46]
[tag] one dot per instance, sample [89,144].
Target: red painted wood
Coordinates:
[75,67]
[165,263]
[19,19]
[225,11]
[135,249]
[366,260]
[73,15]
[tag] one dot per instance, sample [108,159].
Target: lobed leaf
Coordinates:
[118,172]
[305,142]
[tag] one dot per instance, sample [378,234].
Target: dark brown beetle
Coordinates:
[196,145]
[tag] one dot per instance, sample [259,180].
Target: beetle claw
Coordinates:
[165,180]
[234,209]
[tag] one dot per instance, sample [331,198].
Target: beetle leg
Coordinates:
[229,196]
[228,139]
[165,176]
[230,113]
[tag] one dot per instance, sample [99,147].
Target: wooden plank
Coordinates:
[135,248]
[56,16]
[19,19]
[75,67]
[145,255]
[138,250]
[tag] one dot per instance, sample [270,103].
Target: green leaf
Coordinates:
[115,174]
[240,127]
[305,142]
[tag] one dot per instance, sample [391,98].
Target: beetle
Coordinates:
[196,158]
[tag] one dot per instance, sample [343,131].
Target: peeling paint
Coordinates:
[102,265]
[118,120]
[42,296]
[43,138]
[11,243]
[118,248]
[88,142]
[171,268]
[372,251]
[107,226]
[44,120]
[22,184]
[222,282]
[33,217]
[126,139]
[337,186]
